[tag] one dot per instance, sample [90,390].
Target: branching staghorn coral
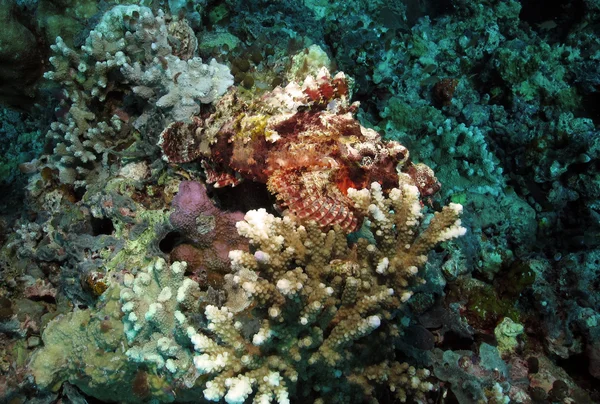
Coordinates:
[312,300]
[130,49]
[399,250]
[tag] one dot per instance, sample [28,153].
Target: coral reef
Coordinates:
[315,301]
[281,329]
[218,214]
[135,42]
[303,142]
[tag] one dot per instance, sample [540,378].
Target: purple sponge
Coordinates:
[194,213]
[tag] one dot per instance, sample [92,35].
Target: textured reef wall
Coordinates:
[299,202]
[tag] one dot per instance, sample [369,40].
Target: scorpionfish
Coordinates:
[303,141]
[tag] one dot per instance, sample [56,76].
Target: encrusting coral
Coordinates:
[208,232]
[198,219]
[312,297]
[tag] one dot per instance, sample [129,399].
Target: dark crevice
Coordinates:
[170,241]
[102,226]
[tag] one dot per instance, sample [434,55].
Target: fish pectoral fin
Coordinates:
[308,198]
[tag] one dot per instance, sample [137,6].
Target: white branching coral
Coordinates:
[137,50]
[400,377]
[397,240]
[155,302]
[181,86]
[312,300]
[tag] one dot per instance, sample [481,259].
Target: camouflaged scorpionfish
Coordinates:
[303,142]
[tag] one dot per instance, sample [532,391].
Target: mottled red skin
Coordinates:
[258,160]
[424,179]
[320,152]
[327,90]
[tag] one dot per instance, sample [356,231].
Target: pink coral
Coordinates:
[211,230]
[193,210]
